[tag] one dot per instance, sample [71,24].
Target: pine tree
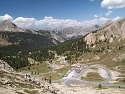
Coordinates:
[100,86]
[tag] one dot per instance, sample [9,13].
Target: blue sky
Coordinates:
[61,12]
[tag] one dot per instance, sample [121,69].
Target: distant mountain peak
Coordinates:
[7,25]
[109,22]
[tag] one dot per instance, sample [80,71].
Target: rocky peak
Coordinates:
[108,22]
[90,39]
[7,25]
[108,32]
[123,27]
[120,22]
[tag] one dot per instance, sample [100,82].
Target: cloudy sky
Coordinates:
[58,13]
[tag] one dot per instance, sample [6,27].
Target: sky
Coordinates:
[61,13]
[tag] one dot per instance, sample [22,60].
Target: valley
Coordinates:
[40,55]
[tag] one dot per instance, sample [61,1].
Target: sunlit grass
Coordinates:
[93,76]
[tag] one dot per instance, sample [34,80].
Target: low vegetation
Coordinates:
[17,84]
[93,76]
[17,54]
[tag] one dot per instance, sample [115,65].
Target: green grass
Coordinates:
[55,75]
[42,68]
[122,63]
[1,84]
[30,92]
[105,56]
[105,59]
[25,85]
[2,74]
[37,68]
[19,93]
[93,76]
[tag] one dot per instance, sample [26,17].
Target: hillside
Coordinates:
[27,39]
[27,54]
[7,25]
[69,33]
[109,34]
[59,34]
[105,46]
[18,44]
[15,83]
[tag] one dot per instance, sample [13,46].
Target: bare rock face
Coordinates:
[5,66]
[119,58]
[113,30]
[123,27]
[7,25]
[108,32]
[90,39]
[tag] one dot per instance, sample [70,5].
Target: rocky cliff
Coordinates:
[106,33]
[123,27]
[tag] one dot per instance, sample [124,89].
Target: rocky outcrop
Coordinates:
[119,58]
[106,33]
[90,39]
[5,66]
[123,28]
[7,25]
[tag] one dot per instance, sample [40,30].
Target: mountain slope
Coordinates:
[60,35]
[27,39]
[92,43]
[7,25]
[19,43]
[48,33]
[107,53]
[106,33]
[121,24]
[75,32]
[104,39]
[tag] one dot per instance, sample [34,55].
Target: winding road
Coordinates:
[76,78]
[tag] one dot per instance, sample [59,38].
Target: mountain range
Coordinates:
[37,41]
[51,53]
[109,32]
[7,25]
[59,34]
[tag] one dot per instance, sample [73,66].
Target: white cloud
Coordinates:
[56,22]
[103,19]
[96,16]
[108,13]
[52,22]
[89,23]
[116,18]
[24,22]
[110,4]
[50,17]
[6,17]
[47,21]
